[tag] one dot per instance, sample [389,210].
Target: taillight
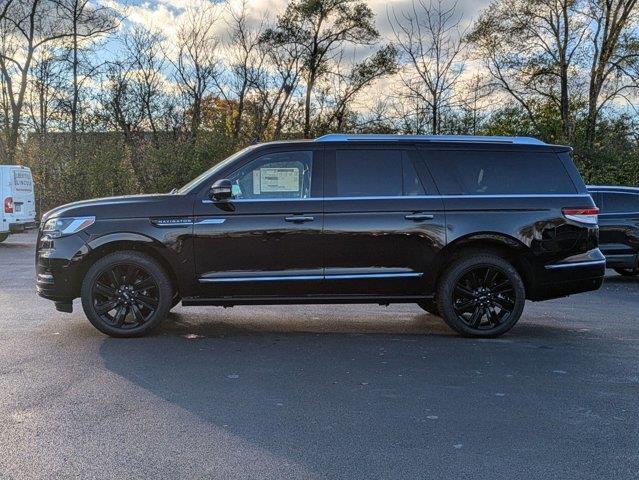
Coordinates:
[581,214]
[8,205]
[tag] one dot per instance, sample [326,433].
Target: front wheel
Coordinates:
[126,294]
[481,296]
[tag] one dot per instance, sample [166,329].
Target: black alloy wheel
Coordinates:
[481,296]
[126,294]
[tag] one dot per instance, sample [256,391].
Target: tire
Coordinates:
[481,295]
[135,286]
[627,272]
[430,306]
[3,237]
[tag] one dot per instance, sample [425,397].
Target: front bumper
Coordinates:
[59,270]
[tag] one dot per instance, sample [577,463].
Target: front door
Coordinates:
[265,240]
[383,222]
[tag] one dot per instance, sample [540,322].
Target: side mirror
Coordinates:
[221,190]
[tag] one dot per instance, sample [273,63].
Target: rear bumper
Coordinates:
[582,273]
[622,261]
[22,226]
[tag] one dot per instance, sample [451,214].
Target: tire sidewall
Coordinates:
[141,260]
[459,268]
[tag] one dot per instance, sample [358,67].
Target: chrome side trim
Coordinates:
[355,276]
[211,221]
[575,264]
[261,279]
[287,278]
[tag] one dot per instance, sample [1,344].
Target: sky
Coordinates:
[166,15]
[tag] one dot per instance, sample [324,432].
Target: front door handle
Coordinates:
[299,218]
[419,216]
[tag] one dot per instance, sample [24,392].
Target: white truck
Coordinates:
[17,211]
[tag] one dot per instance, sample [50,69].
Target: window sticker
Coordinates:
[276,180]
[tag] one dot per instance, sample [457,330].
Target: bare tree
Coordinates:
[145,59]
[45,86]
[123,109]
[614,68]
[4,8]
[430,40]
[348,81]
[275,88]
[27,26]
[531,48]
[85,22]
[246,61]
[196,62]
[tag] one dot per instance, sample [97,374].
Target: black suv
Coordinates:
[466,227]
[618,226]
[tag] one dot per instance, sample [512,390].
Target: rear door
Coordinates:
[21,188]
[383,222]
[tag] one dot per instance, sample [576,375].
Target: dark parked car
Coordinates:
[466,227]
[618,226]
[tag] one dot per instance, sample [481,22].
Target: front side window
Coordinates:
[620,203]
[375,173]
[285,175]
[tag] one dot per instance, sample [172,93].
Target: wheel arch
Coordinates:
[503,245]
[118,242]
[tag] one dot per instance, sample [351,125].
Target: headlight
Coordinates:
[60,227]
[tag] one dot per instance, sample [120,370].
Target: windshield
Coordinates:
[213,169]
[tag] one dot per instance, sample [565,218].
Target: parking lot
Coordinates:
[353,392]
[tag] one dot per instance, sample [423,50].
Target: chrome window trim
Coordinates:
[410,197]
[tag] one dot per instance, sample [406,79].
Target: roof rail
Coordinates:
[343,137]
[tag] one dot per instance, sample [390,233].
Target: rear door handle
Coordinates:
[419,216]
[299,218]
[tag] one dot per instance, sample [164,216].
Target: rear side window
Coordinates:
[619,203]
[373,173]
[470,172]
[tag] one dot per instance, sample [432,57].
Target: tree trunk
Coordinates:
[307,105]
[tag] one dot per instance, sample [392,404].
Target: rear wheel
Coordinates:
[3,237]
[481,296]
[126,294]
[627,272]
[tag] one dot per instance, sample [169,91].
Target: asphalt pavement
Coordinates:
[322,392]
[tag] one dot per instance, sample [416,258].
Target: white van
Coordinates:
[17,211]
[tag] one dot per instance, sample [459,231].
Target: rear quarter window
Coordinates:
[469,172]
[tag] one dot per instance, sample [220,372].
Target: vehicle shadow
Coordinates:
[622,279]
[351,396]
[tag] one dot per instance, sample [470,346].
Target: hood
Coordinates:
[128,206]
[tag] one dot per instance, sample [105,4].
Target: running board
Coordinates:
[332,299]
